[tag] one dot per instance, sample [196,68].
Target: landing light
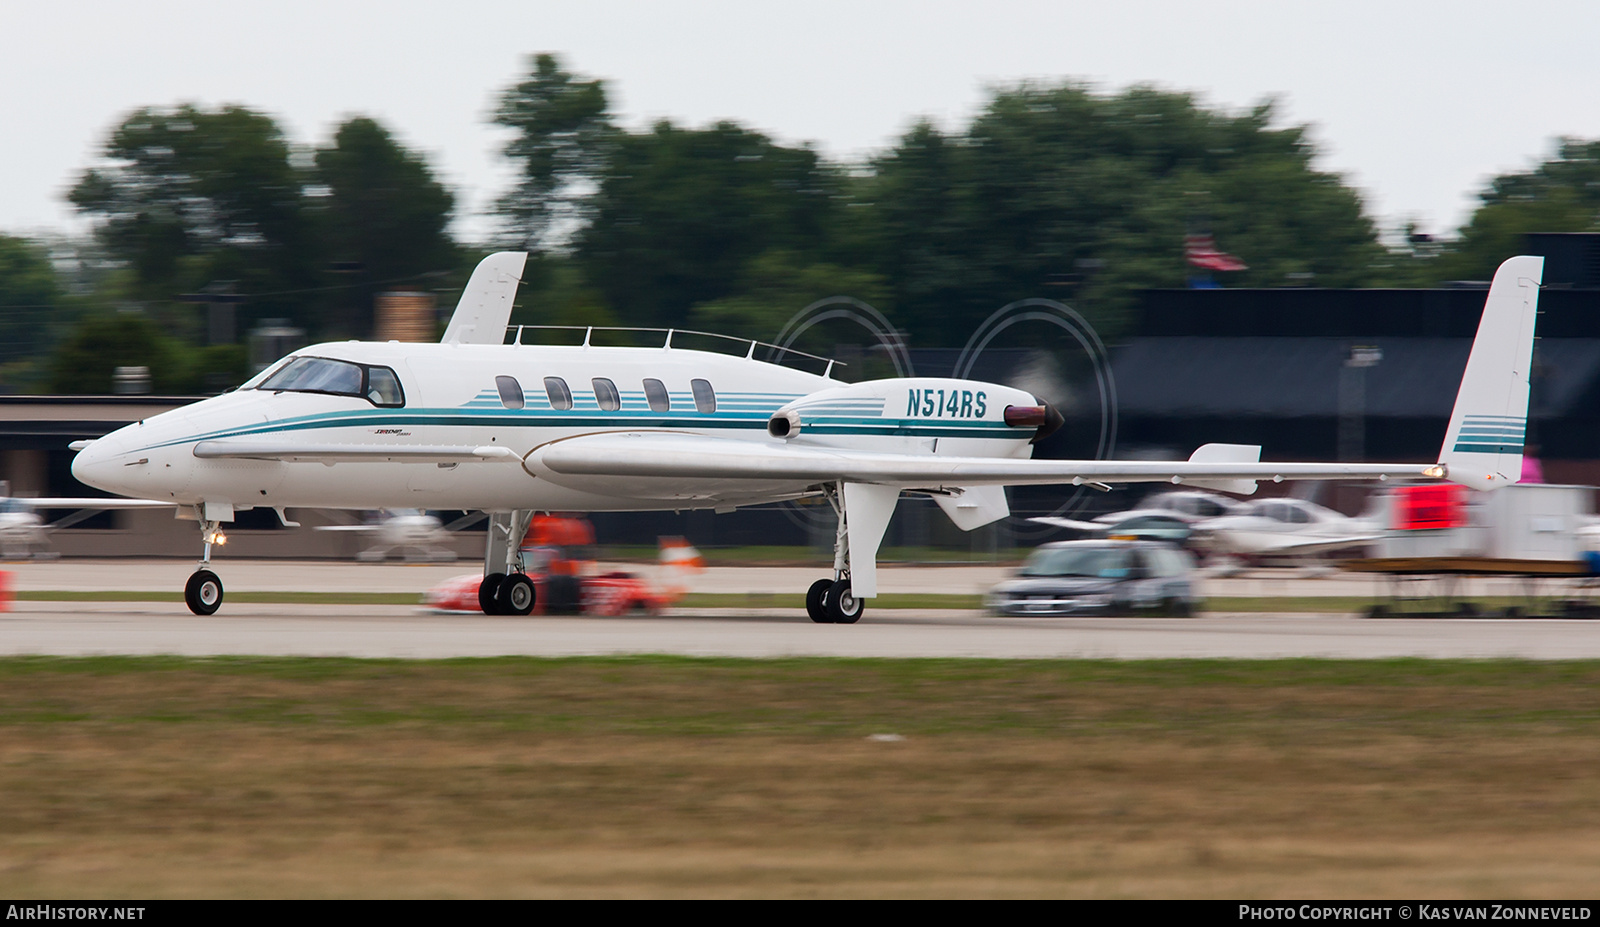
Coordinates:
[1437,471]
[214,536]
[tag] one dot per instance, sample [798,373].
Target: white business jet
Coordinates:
[475,423]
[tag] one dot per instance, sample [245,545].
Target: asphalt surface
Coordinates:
[85,628]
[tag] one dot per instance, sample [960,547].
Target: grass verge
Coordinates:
[678,777]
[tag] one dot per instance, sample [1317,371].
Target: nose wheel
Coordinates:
[203,593]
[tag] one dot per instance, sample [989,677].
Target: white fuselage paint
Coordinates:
[451,399]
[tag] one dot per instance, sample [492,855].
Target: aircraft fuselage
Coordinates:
[522,398]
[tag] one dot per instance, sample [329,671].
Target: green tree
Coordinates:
[1560,195]
[679,213]
[562,133]
[190,197]
[33,306]
[86,361]
[776,285]
[383,218]
[1058,184]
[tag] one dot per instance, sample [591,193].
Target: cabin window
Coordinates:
[560,396]
[605,393]
[655,393]
[705,398]
[510,392]
[383,388]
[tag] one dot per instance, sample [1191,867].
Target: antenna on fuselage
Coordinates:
[485,307]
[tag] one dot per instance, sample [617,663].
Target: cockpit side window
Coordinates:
[510,392]
[383,388]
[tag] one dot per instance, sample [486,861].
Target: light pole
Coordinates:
[1353,400]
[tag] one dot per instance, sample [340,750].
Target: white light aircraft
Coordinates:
[23,532]
[415,535]
[510,429]
[1275,528]
[1287,528]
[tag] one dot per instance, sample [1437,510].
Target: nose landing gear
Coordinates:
[203,592]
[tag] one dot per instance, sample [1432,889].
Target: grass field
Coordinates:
[667,777]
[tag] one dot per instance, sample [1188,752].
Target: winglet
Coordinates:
[1483,446]
[485,306]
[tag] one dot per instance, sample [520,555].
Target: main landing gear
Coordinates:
[203,592]
[506,588]
[830,601]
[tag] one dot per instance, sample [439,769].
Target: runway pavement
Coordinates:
[142,575]
[84,628]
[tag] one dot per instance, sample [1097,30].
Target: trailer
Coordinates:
[1441,538]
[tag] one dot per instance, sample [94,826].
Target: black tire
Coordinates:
[843,607]
[488,591]
[516,595]
[563,595]
[1180,608]
[816,601]
[203,593]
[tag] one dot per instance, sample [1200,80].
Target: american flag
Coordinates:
[1202,252]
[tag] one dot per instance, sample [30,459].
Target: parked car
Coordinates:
[1099,577]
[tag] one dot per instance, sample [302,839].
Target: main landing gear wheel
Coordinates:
[515,596]
[842,606]
[816,601]
[203,593]
[487,590]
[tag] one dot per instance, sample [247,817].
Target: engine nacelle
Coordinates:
[918,414]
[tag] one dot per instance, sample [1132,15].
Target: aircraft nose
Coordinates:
[94,467]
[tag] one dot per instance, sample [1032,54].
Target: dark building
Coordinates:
[1316,374]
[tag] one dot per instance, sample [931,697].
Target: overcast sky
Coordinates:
[1417,103]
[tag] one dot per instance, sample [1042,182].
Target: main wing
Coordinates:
[682,456]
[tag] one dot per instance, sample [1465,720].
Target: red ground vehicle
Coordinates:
[558,552]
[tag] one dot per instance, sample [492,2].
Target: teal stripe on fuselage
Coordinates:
[494,415]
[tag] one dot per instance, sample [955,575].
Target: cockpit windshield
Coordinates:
[378,385]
